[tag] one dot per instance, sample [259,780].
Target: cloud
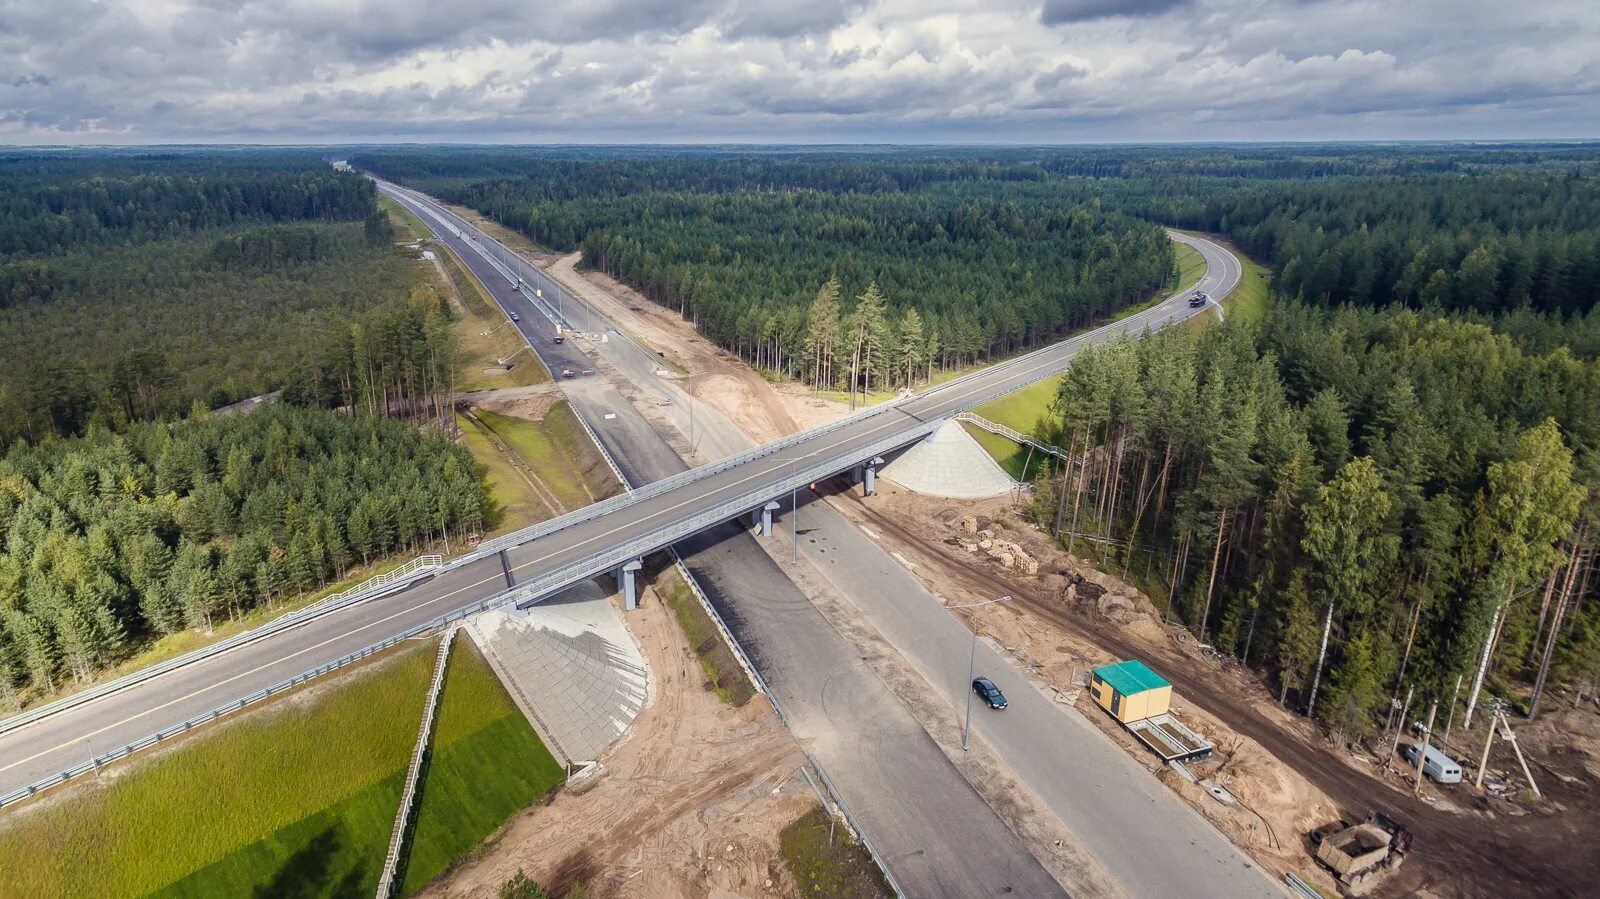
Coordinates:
[815,70]
[1057,12]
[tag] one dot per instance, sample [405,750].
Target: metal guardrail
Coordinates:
[124,751]
[367,589]
[408,797]
[417,568]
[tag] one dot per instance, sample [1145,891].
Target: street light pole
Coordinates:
[972,662]
[794,509]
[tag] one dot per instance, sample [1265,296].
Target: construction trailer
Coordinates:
[1140,700]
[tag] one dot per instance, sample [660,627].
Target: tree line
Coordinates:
[111,539]
[1353,500]
[988,255]
[51,204]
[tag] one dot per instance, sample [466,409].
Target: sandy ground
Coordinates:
[689,804]
[530,403]
[1288,775]
[710,373]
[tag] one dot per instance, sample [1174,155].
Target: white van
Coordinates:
[1438,766]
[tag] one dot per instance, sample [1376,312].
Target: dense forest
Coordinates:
[929,264]
[1391,481]
[137,293]
[132,295]
[113,538]
[1353,499]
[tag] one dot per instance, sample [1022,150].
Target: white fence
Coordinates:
[408,797]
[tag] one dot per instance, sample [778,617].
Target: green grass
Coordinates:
[1249,301]
[404,218]
[514,504]
[249,780]
[1011,456]
[296,797]
[724,675]
[827,861]
[1022,409]
[487,764]
[545,446]
[1191,265]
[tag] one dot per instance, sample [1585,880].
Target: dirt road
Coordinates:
[690,804]
[1476,853]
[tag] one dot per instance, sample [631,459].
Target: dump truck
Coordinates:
[1356,854]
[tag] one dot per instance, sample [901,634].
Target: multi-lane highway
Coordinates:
[647,522]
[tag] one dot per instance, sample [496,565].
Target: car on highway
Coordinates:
[989,693]
[515,317]
[1198,299]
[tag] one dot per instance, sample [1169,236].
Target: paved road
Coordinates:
[927,822]
[938,835]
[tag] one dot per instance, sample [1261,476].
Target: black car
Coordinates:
[989,693]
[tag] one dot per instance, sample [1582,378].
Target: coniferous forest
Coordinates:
[1391,480]
[139,292]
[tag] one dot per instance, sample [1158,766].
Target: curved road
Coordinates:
[39,749]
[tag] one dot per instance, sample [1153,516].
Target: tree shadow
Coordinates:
[309,872]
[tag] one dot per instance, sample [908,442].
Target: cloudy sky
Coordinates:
[667,71]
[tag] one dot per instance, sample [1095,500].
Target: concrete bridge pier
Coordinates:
[627,577]
[766,518]
[870,485]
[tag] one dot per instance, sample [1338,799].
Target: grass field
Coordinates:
[406,222]
[722,669]
[515,504]
[1191,265]
[297,796]
[555,449]
[279,786]
[547,447]
[827,861]
[487,764]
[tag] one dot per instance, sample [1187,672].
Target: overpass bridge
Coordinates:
[967,852]
[614,533]
[543,559]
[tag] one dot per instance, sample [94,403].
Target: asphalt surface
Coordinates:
[939,837]
[1115,808]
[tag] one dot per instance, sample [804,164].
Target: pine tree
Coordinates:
[822,333]
[1345,536]
[913,345]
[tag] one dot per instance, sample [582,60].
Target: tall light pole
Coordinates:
[972,663]
[794,509]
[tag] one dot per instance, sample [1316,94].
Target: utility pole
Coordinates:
[1509,737]
[1454,698]
[972,662]
[1483,760]
[1427,736]
[794,507]
[1400,728]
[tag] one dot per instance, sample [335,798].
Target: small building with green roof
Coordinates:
[1130,691]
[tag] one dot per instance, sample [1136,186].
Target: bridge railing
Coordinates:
[183,727]
[371,587]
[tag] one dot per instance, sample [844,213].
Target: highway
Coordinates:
[824,700]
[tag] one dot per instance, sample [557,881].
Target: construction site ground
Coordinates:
[1288,775]
[690,803]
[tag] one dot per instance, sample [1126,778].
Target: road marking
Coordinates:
[82,737]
